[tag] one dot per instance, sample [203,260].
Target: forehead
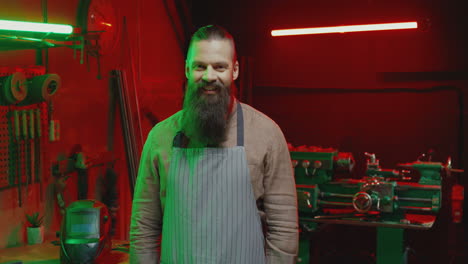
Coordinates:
[211,50]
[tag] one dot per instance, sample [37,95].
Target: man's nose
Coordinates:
[209,74]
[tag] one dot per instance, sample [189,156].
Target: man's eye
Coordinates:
[199,67]
[220,67]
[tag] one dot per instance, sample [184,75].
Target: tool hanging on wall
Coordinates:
[13,88]
[25,147]
[37,151]
[82,173]
[30,149]
[42,88]
[54,130]
[16,122]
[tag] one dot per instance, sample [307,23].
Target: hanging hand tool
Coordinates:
[32,155]
[18,154]
[37,149]
[81,168]
[24,137]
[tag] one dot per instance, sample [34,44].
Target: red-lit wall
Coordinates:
[146,50]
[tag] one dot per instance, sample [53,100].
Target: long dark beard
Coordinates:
[205,116]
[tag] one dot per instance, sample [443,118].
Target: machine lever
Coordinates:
[371,156]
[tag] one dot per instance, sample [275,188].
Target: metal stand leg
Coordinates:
[390,245]
[304,247]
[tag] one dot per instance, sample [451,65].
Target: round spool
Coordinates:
[43,87]
[14,88]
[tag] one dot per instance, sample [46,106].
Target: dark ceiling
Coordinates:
[252,21]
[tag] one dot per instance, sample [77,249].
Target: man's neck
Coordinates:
[231,108]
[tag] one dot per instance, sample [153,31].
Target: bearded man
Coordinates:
[215,182]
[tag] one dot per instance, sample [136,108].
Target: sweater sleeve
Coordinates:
[282,235]
[146,218]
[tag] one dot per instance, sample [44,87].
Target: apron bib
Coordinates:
[211,216]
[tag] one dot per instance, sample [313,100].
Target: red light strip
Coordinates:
[343,29]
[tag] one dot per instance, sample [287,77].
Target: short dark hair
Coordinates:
[210,32]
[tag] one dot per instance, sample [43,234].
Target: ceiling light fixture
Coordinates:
[10,25]
[343,29]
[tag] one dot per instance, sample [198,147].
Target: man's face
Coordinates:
[210,71]
[210,67]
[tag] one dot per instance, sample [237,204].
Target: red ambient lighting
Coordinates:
[343,29]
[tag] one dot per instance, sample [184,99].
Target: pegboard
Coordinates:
[23,157]
[4,148]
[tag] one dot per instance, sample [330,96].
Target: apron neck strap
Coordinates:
[181,141]
[240,125]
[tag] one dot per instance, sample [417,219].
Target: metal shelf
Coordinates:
[18,43]
[8,42]
[11,42]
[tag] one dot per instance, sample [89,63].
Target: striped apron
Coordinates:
[210,216]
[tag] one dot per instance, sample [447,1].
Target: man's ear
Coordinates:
[187,69]
[235,70]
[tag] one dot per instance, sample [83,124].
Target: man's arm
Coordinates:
[282,235]
[146,220]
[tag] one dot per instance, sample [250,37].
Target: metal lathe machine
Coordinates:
[392,200]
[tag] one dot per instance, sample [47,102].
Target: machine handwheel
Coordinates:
[362,202]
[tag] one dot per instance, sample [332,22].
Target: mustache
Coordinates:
[209,85]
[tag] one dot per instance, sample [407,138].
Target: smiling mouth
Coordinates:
[210,90]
